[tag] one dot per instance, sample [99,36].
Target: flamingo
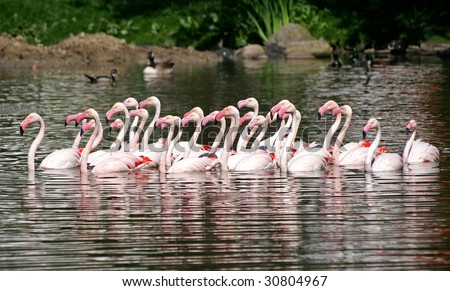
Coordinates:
[154,157]
[172,122]
[191,148]
[132,102]
[313,160]
[215,145]
[353,153]
[193,163]
[384,161]
[60,159]
[119,162]
[232,113]
[157,146]
[259,159]
[418,151]
[245,136]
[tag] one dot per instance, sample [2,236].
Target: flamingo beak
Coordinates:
[407,130]
[81,132]
[364,134]
[319,116]
[65,123]
[21,130]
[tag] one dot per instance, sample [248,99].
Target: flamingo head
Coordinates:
[142,113]
[197,110]
[131,102]
[277,107]
[192,115]
[344,109]
[117,108]
[258,121]
[87,114]
[411,126]
[31,118]
[168,120]
[87,126]
[370,124]
[210,117]
[71,118]
[152,100]
[287,108]
[249,102]
[247,116]
[228,112]
[118,123]
[329,105]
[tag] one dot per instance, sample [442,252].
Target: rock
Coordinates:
[308,49]
[288,34]
[296,42]
[251,51]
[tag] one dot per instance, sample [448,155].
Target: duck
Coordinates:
[112,78]
[335,58]
[153,68]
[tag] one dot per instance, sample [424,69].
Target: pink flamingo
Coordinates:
[352,153]
[172,122]
[218,140]
[132,102]
[158,145]
[232,113]
[245,136]
[193,163]
[311,159]
[66,158]
[154,157]
[119,162]
[384,161]
[259,159]
[418,151]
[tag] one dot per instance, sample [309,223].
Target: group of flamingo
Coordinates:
[170,155]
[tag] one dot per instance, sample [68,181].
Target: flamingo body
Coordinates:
[257,161]
[66,158]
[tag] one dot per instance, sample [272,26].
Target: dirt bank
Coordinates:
[96,50]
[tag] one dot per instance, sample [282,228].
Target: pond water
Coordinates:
[338,219]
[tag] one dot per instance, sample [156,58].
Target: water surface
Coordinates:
[338,219]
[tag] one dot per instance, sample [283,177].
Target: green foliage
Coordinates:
[209,24]
[268,16]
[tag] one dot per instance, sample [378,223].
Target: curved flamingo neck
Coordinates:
[133,126]
[134,142]
[245,136]
[194,138]
[340,139]
[34,145]
[99,137]
[260,136]
[228,143]
[331,132]
[408,146]
[89,146]
[173,143]
[219,136]
[296,118]
[150,128]
[162,162]
[121,136]
[372,149]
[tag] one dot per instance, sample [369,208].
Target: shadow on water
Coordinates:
[338,219]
